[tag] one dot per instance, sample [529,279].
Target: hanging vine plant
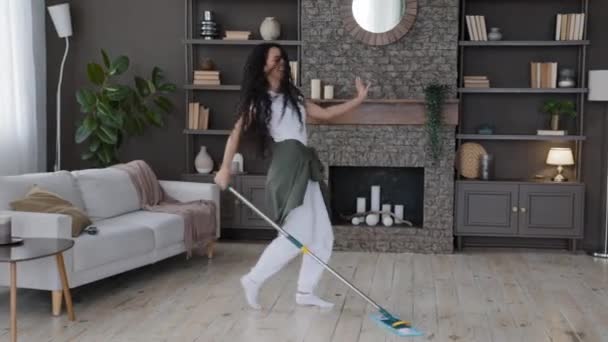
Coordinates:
[434,98]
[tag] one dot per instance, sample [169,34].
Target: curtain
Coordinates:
[22,87]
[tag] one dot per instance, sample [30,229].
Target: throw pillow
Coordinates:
[41,201]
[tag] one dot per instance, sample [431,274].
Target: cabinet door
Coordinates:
[254,189]
[551,210]
[486,209]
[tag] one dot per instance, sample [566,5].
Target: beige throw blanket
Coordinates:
[199,216]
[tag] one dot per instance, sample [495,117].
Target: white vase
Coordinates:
[270,29]
[203,162]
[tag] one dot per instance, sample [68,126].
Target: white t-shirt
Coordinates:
[286,126]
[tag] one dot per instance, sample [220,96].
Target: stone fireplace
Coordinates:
[388,146]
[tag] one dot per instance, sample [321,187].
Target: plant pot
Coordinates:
[554,122]
[270,29]
[203,162]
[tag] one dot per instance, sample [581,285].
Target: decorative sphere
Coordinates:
[355,221]
[372,219]
[387,221]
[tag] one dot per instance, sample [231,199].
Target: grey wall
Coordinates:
[150,34]
[427,53]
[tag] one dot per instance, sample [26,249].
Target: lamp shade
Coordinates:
[560,156]
[598,85]
[60,14]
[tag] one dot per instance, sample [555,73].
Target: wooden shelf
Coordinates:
[207,131]
[521,137]
[213,87]
[240,42]
[523,90]
[529,43]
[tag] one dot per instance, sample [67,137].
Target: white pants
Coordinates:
[310,224]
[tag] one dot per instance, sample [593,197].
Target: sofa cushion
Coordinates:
[62,183]
[168,228]
[39,200]
[107,192]
[116,239]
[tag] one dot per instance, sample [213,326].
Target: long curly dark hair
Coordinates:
[255,103]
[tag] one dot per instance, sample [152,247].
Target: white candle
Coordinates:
[399,211]
[375,198]
[315,88]
[360,204]
[328,92]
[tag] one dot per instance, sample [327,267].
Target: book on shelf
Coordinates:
[198,116]
[550,132]
[543,75]
[476,82]
[476,27]
[569,26]
[206,77]
[237,35]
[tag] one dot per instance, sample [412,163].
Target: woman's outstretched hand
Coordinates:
[361,88]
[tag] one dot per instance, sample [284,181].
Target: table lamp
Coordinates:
[560,156]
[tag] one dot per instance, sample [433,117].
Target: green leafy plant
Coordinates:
[434,98]
[554,107]
[114,111]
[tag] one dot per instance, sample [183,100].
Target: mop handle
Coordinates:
[303,248]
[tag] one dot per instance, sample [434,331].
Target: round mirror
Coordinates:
[378,16]
[378,22]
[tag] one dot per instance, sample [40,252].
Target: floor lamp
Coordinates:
[598,91]
[60,14]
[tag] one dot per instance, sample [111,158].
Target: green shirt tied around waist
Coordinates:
[293,165]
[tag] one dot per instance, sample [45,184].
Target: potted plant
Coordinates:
[556,109]
[114,111]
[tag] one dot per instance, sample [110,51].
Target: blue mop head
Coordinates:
[395,325]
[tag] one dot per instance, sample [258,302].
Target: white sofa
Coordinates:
[127,237]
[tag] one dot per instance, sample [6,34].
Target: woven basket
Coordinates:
[468,159]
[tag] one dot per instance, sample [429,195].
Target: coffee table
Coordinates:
[30,249]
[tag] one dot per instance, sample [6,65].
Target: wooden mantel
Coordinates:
[388,112]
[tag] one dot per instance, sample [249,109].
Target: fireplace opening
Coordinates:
[398,186]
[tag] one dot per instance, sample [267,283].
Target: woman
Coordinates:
[271,107]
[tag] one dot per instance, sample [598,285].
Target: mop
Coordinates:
[383,318]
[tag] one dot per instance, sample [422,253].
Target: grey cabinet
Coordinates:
[519,209]
[487,210]
[555,211]
[233,213]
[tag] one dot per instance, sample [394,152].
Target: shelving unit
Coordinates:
[229,56]
[484,208]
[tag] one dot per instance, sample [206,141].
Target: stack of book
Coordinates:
[198,116]
[237,35]
[570,26]
[206,77]
[476,82]
[543,75]
[476,26]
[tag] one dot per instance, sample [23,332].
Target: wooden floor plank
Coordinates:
[480,295]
